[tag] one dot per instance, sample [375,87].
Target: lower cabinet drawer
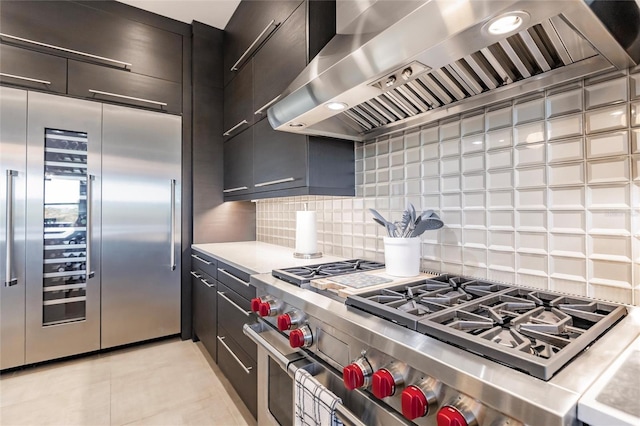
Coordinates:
[233,312]
[236,279]
[240,369]
[207,264]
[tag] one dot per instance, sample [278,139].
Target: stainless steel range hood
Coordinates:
[397,64]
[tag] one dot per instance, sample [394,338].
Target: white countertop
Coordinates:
[255,257]
[614,399]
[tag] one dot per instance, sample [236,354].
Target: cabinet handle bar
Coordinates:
[205,261]
[267,105]
[255,42]
[240,188]
[274,182]
[245,368]
[19,77]
[64,49]
[117,95]
[228,132]
[234,277]
[234,304]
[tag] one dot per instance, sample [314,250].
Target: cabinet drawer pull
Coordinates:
[267,105]
[245,368]
[207,283]
[19,77]
[234,304]
[234,277]
[228,132]
[274,182]
[205,261]
[100,92]
[239,188]
[255,42]
[64,49]
[195,274]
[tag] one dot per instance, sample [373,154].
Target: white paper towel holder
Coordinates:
[307,256]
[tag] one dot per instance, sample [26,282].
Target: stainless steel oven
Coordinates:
[277,364]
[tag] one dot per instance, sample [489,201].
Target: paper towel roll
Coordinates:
[306,233]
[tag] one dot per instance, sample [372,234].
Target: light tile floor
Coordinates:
[170,382]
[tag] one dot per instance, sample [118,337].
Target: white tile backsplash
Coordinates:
[541,191]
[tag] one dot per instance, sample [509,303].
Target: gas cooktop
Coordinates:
[531,330]
[301,275]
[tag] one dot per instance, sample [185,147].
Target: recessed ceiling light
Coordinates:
[336,106]
[297,124]
[507,23]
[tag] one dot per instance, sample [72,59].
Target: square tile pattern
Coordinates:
[170,382]
[541,191]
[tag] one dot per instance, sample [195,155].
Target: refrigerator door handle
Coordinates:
[90,179]
[9,280]
[173,224]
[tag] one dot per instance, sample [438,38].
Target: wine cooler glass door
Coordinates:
[64,144]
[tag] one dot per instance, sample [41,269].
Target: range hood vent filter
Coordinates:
[536,50]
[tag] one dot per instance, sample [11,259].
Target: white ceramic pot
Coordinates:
[402,256]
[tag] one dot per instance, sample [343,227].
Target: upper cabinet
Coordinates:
[84,51]
[238,103]
[33,70]
[94,36]
[276,163]
[279,61]
[252,23]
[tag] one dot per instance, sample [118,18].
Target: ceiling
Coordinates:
[211,12]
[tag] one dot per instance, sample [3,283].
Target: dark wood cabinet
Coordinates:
[238,164]
[204,304]
[280,159]
[113,85]
[237,353]
[103,36]
[233,312]
[32,70]
[249,27]
[239,369]
[286,164]
[280,60]
[275,163]
[238,103]
[204,293]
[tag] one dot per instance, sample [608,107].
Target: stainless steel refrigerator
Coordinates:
[91,242]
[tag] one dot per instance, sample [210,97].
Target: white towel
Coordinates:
[315,404]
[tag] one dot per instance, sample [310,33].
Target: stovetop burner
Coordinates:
[535,331]
[301,275]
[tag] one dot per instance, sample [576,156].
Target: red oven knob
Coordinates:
[357,374]
[383,384]
[417,400]
[270,308]
[284,322]
[414,403]
[255,304]
[451,416]
[301,337]
[265,309]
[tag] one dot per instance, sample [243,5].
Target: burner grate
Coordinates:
[301,275]
[534,331]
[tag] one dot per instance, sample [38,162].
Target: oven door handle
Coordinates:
[250,331]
